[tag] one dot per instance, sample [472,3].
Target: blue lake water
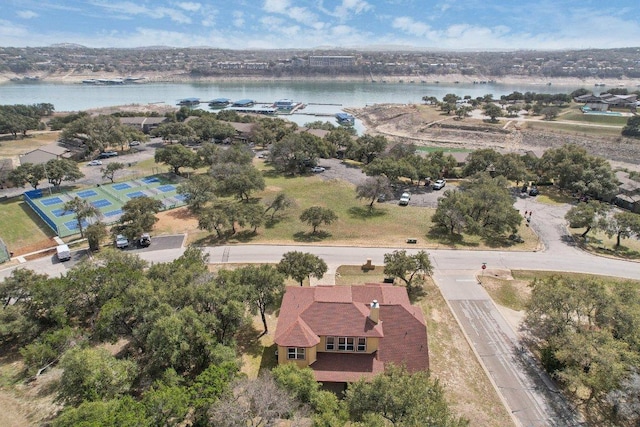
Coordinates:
[324,98]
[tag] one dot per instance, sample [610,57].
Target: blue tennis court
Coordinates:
[135,194]
[73,225]
[59,212]
[51,201]
[166,188]
[121,186]
[86,193]
[101,203]
[108,198]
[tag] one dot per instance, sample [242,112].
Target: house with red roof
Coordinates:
[345,333]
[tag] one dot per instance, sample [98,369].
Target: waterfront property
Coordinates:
[345,333]
[45,153]
[143,123]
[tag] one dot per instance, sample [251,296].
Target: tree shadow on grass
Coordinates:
[621,252]
[309,237]
[210,240]
[445,238]
[248,339]
[498,241]
[365,212]
[272,222]
[269,360]
[244,236]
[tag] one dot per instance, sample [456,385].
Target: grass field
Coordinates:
[386,225]
[578,116]
[20,228]
[574,128]
[512,290]
[14,147]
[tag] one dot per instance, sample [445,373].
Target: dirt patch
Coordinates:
[42,244]
[176,221]
[424,125]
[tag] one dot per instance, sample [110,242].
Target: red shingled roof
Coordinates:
[310,312]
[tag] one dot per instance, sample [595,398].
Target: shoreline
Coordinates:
[512,80]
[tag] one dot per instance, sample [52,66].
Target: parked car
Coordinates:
[134,143]
[381,198]
[439,184]
[144,240]
[63,253]
[534,191]
[94,163]
[121,241]
[317,169]
[404,199]
[107,154]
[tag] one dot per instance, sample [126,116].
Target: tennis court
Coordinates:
[107,198]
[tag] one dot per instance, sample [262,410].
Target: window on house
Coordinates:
[346,343]
[342,343]
[362,344]
[295,353]
[331,343]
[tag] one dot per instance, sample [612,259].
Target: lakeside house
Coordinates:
[345,333]
[628,196]
[45,153]
[603,101]
[145,124]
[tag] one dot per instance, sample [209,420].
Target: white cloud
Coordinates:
[276,6]
[445,5]
[127,10]
[189,6]
[238,19]
[302,15]
[26,14]
[410,26]
[271,21]
[352,6]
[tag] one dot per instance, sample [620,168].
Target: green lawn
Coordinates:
[20,226]
[384,225]
[578,116]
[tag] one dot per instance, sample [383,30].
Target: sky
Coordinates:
[307,24]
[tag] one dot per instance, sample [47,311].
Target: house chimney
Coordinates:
[374,313]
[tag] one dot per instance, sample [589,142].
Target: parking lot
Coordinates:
[420,195]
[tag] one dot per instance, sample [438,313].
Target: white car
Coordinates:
[94,163]
[404,199]
[134,143]
[317,169]
[121,241]
[439,184]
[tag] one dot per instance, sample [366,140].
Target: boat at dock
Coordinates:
[244,103]
[345,119]
[189,102]
[219,103]
[287,106]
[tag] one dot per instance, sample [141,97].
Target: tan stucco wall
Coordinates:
[310,357]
